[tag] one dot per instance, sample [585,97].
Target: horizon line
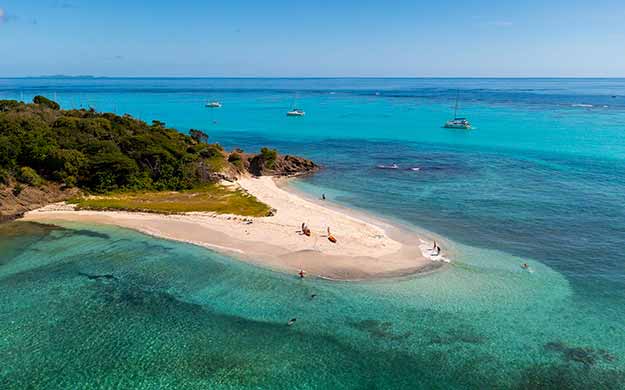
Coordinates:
[61,76]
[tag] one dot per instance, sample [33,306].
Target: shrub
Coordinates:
[236,160]
[44,101]
[269,157]
[4,176]
[234,157]
[198,135]
[211,151]
[17,189]
[70,181]
[29,176]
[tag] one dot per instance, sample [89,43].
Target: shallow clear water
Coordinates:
[540,181]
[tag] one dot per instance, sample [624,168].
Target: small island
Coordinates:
[91,167]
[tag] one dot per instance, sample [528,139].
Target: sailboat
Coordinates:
[295,111]
[457,123]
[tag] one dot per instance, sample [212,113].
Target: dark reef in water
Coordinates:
[584,355]
[381,329]
[98,276]
[565,377]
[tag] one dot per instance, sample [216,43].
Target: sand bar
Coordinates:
[364,247]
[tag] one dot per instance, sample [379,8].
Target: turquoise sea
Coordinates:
[541,180]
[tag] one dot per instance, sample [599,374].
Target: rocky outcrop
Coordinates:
[282,165]
[14,202]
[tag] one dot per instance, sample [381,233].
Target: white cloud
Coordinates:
[2,15]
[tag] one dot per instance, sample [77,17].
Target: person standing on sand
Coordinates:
[323,196]
[434,246]
[301,273]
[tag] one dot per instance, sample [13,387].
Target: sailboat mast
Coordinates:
[456,106]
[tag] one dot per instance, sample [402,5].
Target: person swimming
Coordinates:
[301,273]
[525,266]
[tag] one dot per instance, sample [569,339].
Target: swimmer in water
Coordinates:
[525,266]
[301,273]
[323,196]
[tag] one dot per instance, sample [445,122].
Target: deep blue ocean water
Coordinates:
[539,180]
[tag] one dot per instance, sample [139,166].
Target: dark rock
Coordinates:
[284,165]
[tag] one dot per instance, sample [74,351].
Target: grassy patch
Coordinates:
[213,198]
[216,163]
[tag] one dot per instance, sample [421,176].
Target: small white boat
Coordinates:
[213,105]
[296,112]
[392,166]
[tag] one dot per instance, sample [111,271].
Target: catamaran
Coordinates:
[457,123]
[296,112]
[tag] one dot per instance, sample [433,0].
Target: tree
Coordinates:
[44,101]
[198,135]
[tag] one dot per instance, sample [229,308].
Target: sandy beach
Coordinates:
[366,248]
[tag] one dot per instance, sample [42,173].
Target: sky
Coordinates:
[349,38]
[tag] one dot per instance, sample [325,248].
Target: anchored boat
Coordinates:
[457,123]
[296,112]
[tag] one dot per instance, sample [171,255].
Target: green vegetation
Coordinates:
[46,102]
[212,198]
[236,159]
[101,152]
[147,167]
[269,157]
[198,135]
[4,176]
[29,176]
[18,189]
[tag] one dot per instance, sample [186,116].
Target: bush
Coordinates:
[17,189]
[211,151]
[44,101]
[269,157]
[70,181]
[198,135]
[29,176]
[4,176]
[236,160]
[234,157]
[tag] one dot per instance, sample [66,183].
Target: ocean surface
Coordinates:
[540,180]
